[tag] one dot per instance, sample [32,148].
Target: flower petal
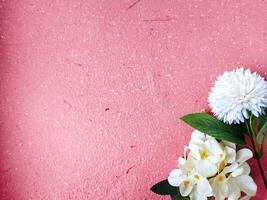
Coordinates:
[230,154]
[186,187]
[198,135]
[181,162]
[175,177]
[246,184]
[215,146]
[224,188]
[234,191]
[230,168]
[196,144]
[246,168]
[229,144]
[216,190]
[237,172]
[174,181]
[176,173]
[245,113]
[203,187]
[186,165]
[205,168]
[243,155]
[195,195]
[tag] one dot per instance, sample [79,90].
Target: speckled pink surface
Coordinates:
[91,91]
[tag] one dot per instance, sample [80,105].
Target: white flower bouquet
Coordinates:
[213,167]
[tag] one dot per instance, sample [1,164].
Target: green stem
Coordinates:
[251,127]
[252,136]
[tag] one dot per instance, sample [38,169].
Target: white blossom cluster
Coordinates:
[211,168]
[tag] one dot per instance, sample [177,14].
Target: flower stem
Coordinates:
[256,155]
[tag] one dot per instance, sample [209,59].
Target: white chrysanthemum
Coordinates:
[237,92]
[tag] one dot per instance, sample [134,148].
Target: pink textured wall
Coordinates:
[91,91]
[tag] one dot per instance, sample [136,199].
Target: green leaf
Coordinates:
[242,127]
[261,127]
[175,197]
[258,122]
[164,188]
[215,128]
[261,134]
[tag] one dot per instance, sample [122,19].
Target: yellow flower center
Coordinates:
[211,180]
[186,182]
[221,166]
[197,177]
[204,154]
[221,178]
[221,155]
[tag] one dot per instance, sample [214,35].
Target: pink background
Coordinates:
[91,91]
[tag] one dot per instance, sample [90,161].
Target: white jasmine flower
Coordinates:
[219,183]
[194,185]
[175,177]
[203,157]
[209,155]
[234,179]
[237,92]
[186,167]
[213,168]
[202,188]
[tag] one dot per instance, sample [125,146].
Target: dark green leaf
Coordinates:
[164,188]
[258,122]
[214,127]
[179,197]
[261,134]
[175,197]
[242,127]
